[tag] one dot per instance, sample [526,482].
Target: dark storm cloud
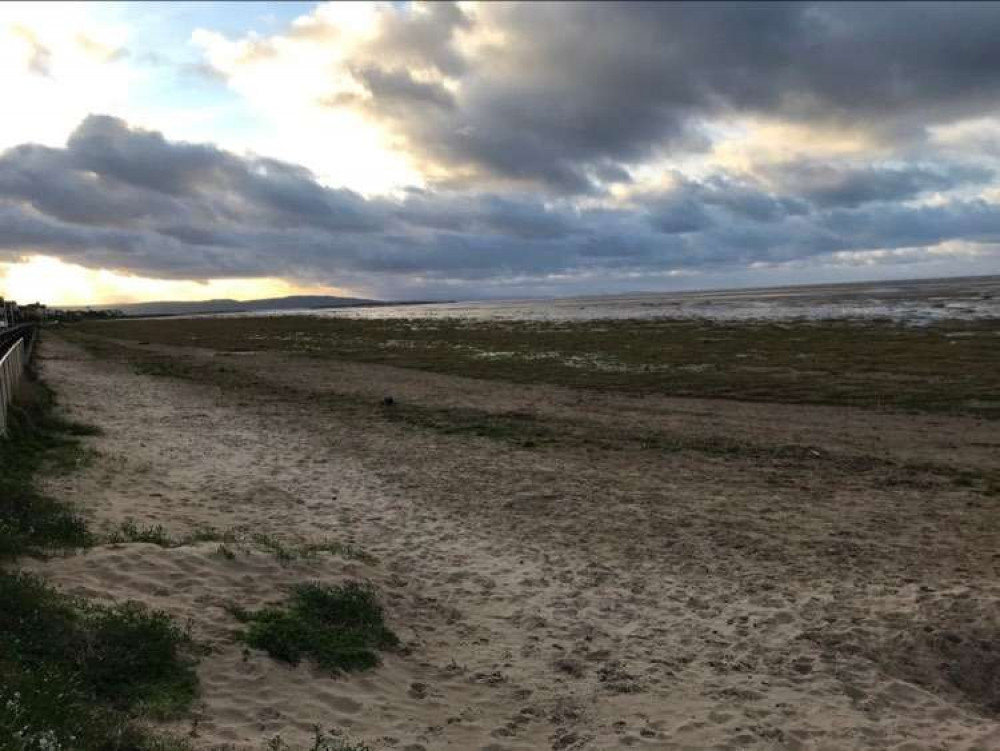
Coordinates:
[900,227]
[696,206]
[399,91]
[425,39]
[576,90]
[830,185]
[521,216]
[129,199]
[679,213]
[111,174]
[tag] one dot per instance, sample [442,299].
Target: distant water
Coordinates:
[911,302]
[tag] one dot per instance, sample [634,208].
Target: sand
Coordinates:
[556,598]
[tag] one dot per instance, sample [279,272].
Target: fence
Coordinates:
[15,346]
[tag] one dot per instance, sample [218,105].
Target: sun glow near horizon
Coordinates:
[56,283]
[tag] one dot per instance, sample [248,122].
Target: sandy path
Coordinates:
[559,599]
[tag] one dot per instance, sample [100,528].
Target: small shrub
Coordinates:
[339,627]
[280,550]
[338,548]
[129,531]
[322,741]
[133,656]
[210,534]
[59,424]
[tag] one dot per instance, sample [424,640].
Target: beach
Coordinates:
[566,568]
[515,376]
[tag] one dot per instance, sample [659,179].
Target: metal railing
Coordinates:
[15,348]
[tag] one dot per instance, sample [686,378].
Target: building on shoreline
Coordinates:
[12,314]
[34,313]
[8,313]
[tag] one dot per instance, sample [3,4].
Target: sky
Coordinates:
[403,150]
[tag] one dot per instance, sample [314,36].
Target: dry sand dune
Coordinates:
[567,597]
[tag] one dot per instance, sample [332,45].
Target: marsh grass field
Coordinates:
[582,534]
[950,367]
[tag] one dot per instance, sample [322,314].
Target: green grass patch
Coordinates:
[76,675]
[322,741]
[510,427]
[163,366]
[527,430]
[31,522]
[234,540]
[945,367]
[339,627]
[286,551]
[130,531]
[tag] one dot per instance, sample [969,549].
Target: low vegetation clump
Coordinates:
[322,741]
[518,428]
[130,531]
[233,540]
[77,674]
[338,627]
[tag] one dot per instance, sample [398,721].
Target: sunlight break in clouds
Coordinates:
[70,284]
[289,81]
[58,63]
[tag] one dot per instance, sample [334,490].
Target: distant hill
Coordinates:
[238,306]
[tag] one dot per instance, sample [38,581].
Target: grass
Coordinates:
[510,427]
[946,367]
[77,675]
[81,676]
[322,741]
[337,627]
[525,430]
[130,531]
[31,522]
[240,538]
[74,675]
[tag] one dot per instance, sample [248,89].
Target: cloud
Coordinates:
[571,96]
[424,37]
[831,185]
[57,66]
[129,199]
[698,205]
[398,90]
[39,59]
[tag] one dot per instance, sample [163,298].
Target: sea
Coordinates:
[912,302]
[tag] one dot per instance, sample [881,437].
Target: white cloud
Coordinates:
[289,80]
[58,63]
